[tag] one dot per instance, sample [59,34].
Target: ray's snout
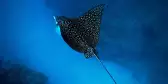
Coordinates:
[58,20]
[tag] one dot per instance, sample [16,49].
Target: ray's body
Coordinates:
[82,33]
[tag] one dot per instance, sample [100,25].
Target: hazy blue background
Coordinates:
[133,43]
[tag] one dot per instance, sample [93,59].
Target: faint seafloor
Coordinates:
[14,73]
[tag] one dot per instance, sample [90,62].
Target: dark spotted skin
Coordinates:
[73,38]
[90,25]
[82,34]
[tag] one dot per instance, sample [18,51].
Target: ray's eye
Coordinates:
[58,20]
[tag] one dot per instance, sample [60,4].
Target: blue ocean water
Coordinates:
[133,42]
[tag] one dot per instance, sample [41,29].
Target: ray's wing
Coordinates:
[70,35]
[72,39]
[90,24]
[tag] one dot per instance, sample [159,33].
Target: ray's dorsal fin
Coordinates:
[90,53]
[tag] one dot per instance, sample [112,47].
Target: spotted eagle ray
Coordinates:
[82,33]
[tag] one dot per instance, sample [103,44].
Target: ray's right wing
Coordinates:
[90,22]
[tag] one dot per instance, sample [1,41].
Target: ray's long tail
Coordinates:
[106,69]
